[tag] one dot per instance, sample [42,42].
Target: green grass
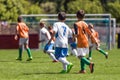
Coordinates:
[42,68]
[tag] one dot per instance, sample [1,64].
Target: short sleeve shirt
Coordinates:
[62,31]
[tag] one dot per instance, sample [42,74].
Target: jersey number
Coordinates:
[64,30]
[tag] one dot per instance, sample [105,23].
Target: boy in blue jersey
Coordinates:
[61,31]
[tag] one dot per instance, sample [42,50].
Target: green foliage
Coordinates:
[11,9]
[49,7]
[114,9]
[88,6]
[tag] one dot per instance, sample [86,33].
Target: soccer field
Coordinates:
[42,68]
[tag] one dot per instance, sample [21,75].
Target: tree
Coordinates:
[114,9]
[11,9]
[87,5]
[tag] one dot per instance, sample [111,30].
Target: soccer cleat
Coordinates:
[69,67]
[20,59]
[82,71]
[63,72]
[55,61]
[91,66]
[29,59]
[106,55]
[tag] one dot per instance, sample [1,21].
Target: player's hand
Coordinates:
[16,37]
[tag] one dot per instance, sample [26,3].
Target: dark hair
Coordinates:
[80,14]
[19,19]
[61,15]
[49,27]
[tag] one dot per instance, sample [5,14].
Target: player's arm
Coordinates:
[52,37]
[91,35]
[16,33]
[76,30]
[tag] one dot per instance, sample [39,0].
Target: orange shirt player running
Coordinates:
[96,35]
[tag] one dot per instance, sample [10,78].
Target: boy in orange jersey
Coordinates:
[81,32]
[92,44]
[22,30]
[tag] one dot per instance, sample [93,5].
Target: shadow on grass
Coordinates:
[38,73]
[6,61]
[41,73]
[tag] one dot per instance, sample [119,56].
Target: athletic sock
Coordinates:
[90,53]
[102,51]
[52,56]
[29,53]
[64,62]
[85,60]
[74,51]
[20,52]
[82,64]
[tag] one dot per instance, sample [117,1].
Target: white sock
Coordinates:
[52,56]
[64,66]
[64,62]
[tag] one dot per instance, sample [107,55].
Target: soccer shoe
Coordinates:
[106,55]
[20,59]
[69,66]
[82,71]
[55,61]
[91,66]
[29,59]
[63,72]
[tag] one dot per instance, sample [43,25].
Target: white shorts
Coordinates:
[23,41]
[82,51]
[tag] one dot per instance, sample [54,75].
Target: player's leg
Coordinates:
[28,50]
[20,49]
[61,54]
[74,47]
[49,50]
[20,53]
[81,55]
[52,56]
[82,65]
[74,51]
[102,52]
[90,52]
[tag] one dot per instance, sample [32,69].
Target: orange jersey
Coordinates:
[82,29]
[22,29]
[96,36]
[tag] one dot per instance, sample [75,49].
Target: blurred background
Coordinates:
[11,9]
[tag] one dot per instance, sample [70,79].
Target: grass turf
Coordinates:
[42,68]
